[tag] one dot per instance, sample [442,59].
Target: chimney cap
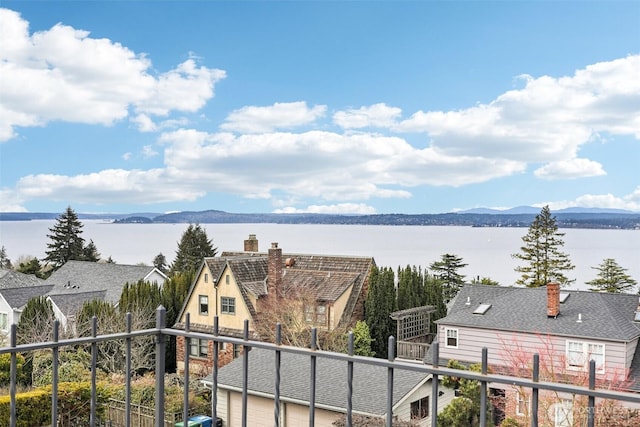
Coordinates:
[274,245]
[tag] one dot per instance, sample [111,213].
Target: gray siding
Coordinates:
[503,347]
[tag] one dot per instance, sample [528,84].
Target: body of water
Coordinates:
[487,251]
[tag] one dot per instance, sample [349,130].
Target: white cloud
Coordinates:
[109,186]
[377,115]
[341,208]
[144,123]
[546,121]
[64,74]
[11,201]
[570,169]
[630,201]
[281,115]
[148,151]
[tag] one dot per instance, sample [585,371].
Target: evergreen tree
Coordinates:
[5,262]
[611,278]
[380,303]
[140,296]
[90,252]
[160,262]
[193,247]
[484,281]
[541,251]
[31,267]
[66,241]
[411,292]
[447,271]
[434,296]
[173,294]
[362,339]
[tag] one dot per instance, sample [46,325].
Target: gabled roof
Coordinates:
[69,304]
[18,297]
[85,276]
[369,392]
[326,277]
[604,316]
[14,279]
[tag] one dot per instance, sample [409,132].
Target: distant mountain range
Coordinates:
[532,210]
[516,217]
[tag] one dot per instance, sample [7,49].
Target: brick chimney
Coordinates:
[553,299]
[274,271]
[251,244]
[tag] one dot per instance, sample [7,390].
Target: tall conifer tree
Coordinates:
[612,278]
[545,262]
[380,303]
[193,247]
[66,241]
[447,271]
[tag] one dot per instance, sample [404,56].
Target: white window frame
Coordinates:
[419,409]
[563,416]
[579,353]
[453,334]
[522,403]
[203,300]
[196,347]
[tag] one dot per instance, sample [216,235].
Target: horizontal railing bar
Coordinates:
[626,396]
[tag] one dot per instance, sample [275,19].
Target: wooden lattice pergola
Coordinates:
[413,331]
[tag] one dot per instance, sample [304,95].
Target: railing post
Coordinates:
[214,388]
[127,396]
[534,390]
[245,375]
[161,323]
[94,372]
[13,374]
[350,381]
[187,344]
[312,382]
[54,374]
[435,353]
[391,357]
[483,389]
[278,360]
[591,414]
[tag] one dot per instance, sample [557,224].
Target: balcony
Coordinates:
[391,366]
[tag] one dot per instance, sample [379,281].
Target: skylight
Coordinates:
[482,309]
[637,317]
[563,297]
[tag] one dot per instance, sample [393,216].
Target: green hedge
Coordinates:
[33,408]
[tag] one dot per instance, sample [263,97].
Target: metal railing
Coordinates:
[161,332]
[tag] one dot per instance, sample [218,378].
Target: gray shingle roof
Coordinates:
[84,276]
[14,279]
[69,304]
[327,277]
[18,297]
[369,382]
[605,316]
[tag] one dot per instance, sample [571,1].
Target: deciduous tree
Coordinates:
[193,247]
[611,278]
[545,262]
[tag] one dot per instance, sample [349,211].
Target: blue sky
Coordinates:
[317,106]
